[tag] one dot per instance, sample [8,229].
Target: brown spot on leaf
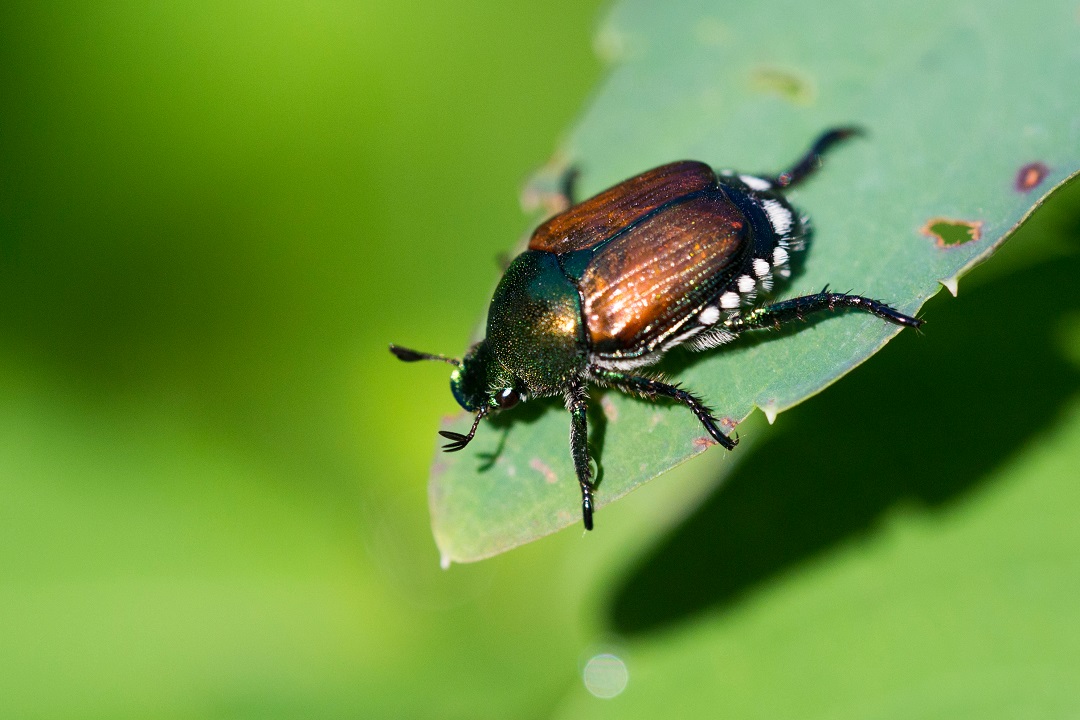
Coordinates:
[611,412]
[704,442]
[549,475]
[1029,176]
[788,84]
[950,233]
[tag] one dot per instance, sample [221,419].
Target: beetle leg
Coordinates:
[811,161]
[650,388]
[798,308]
[576,402]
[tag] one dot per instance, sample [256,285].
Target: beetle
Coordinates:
[677,255]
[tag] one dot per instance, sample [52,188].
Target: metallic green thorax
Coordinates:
[535,339]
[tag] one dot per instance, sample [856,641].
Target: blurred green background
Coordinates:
[214,217]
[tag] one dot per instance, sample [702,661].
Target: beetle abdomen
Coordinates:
[642,285]
[620,207]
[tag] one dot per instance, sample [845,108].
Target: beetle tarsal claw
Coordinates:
[459,441]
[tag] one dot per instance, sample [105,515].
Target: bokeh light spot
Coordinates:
[605,676]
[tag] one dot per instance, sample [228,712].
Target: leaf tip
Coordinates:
[951,284]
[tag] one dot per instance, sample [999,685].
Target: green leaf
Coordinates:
[969,127]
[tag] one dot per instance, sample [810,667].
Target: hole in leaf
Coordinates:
[950,233]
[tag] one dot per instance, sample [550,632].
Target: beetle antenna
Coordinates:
[459,441]
[407,355]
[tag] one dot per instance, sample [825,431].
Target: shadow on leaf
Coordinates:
[925,422]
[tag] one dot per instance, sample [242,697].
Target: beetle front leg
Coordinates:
[577,403]
[798,308]
[650,388]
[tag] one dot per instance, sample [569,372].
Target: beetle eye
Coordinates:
[507,398]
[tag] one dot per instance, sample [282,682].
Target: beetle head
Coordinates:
[478,383]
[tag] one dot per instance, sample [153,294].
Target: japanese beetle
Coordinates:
[674,256]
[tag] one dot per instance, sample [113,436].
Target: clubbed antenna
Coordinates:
[407,355]
[459,440]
